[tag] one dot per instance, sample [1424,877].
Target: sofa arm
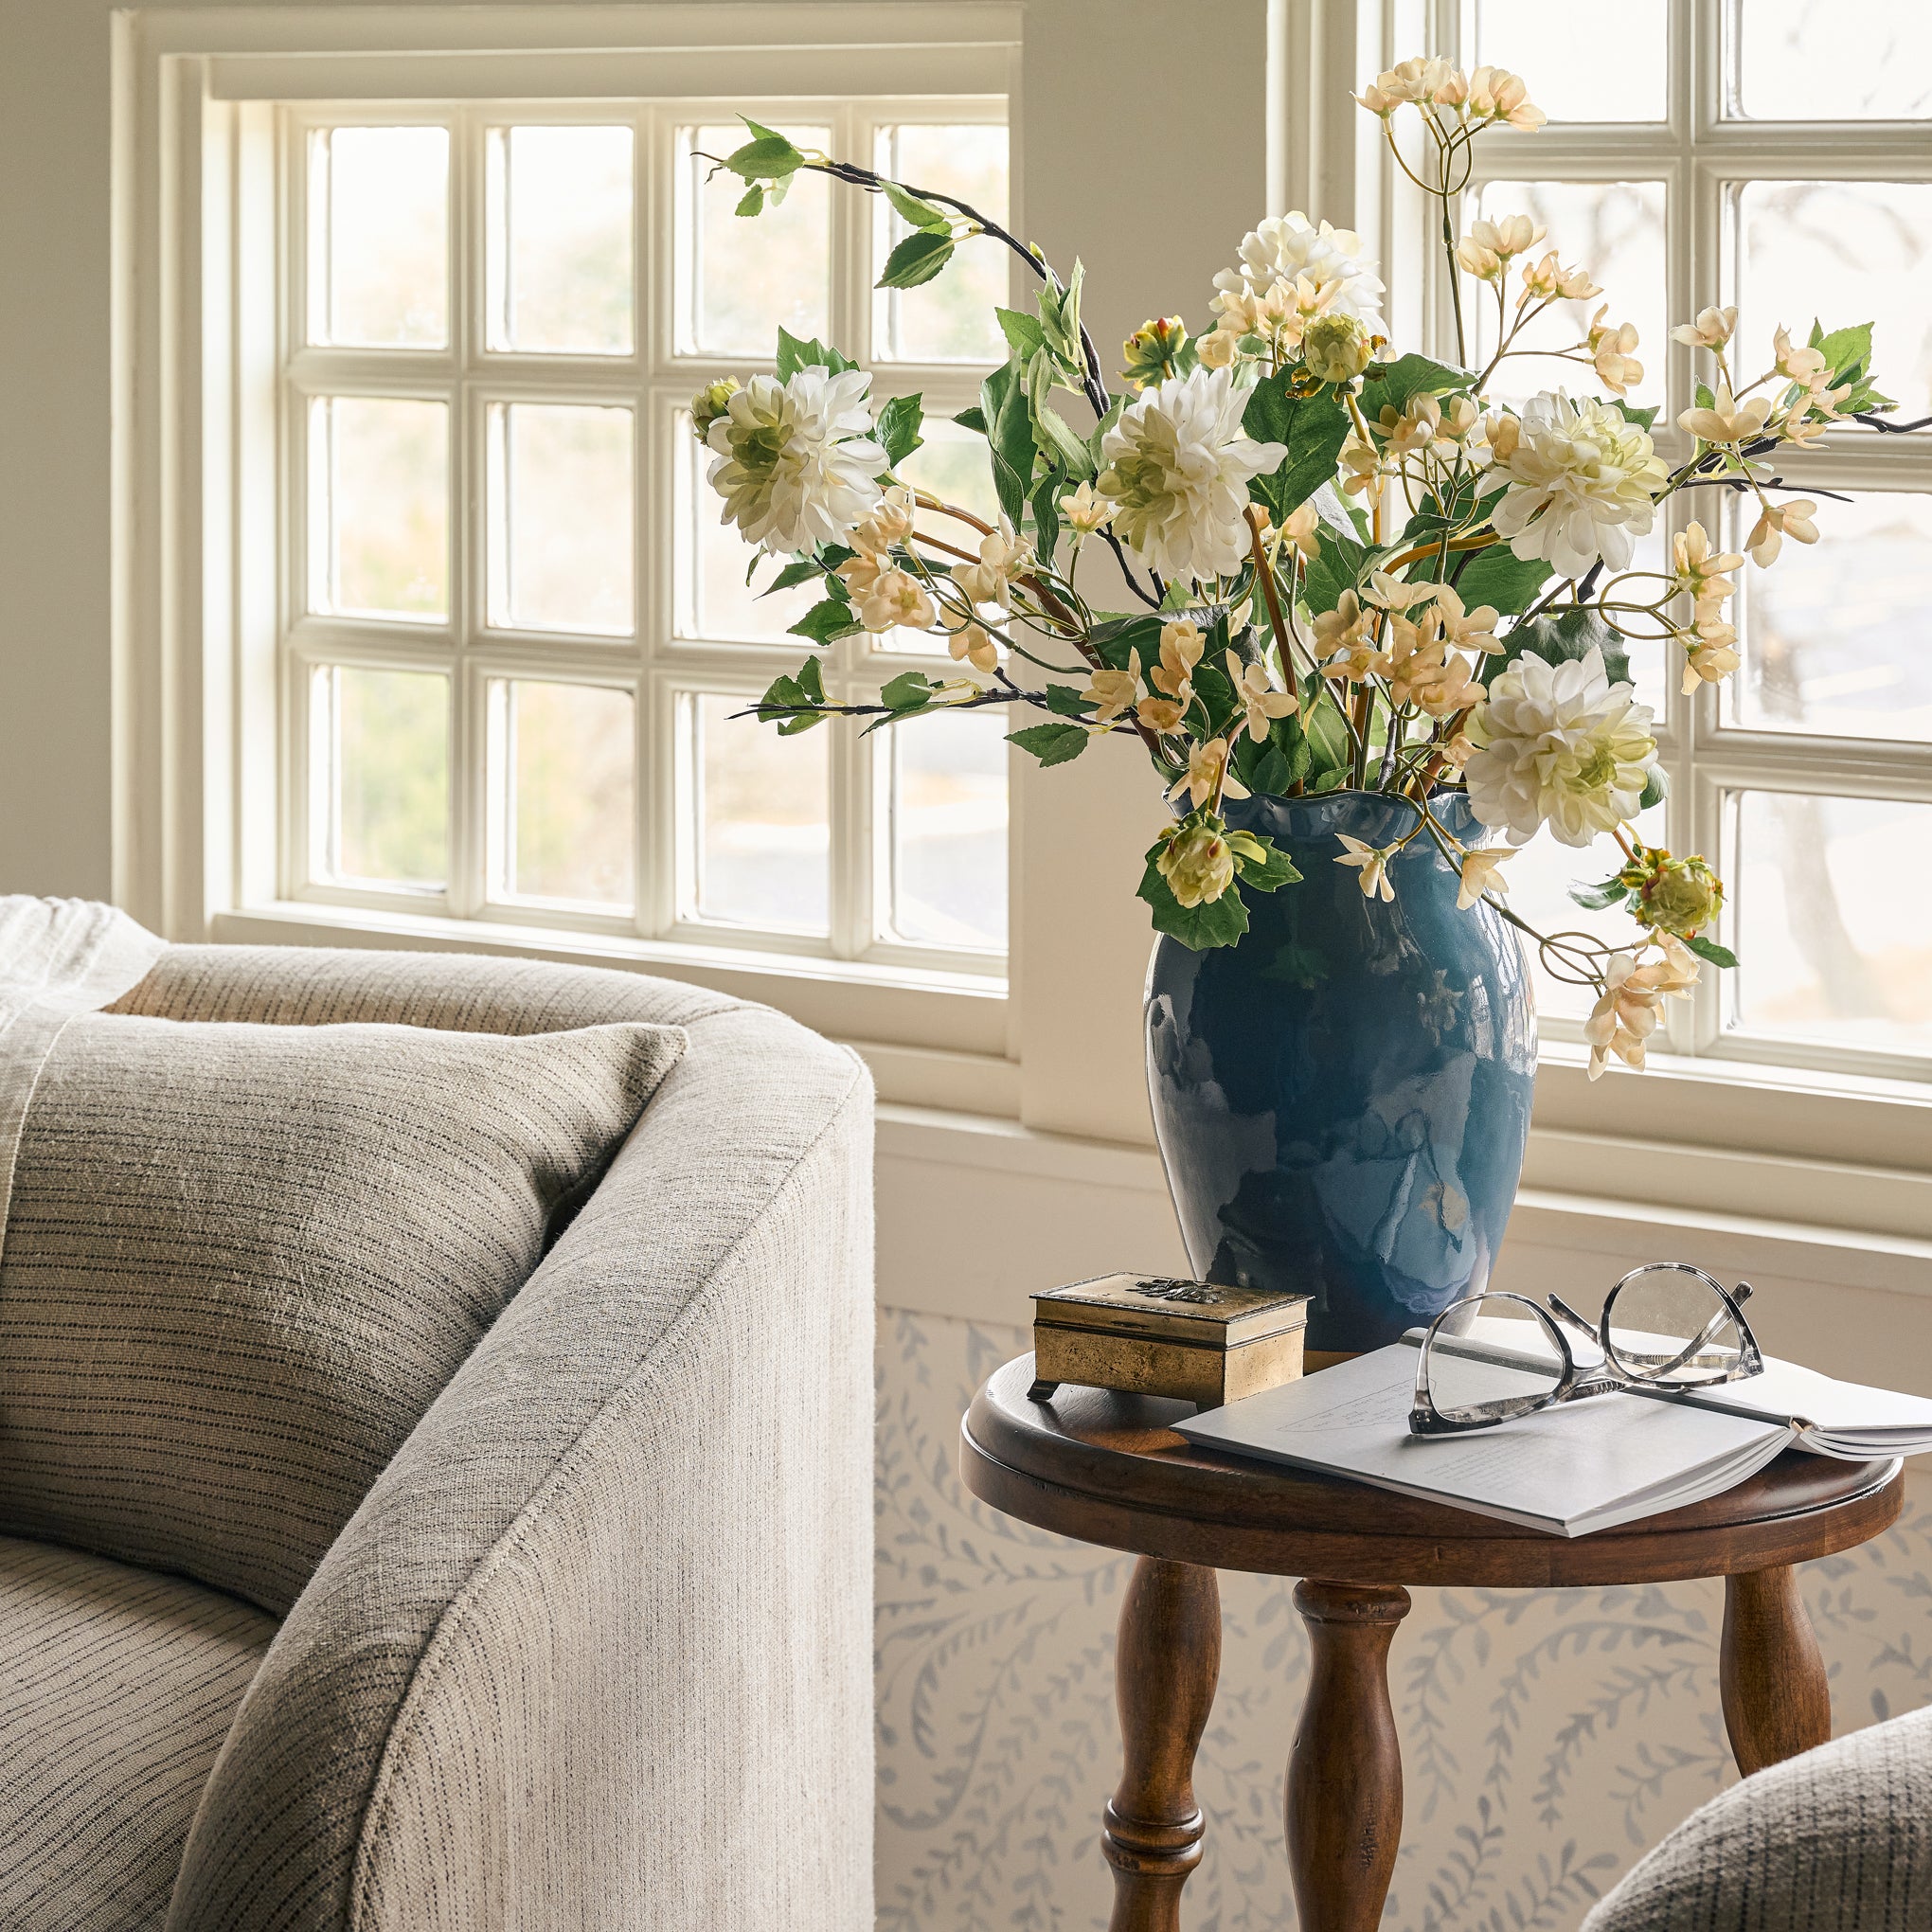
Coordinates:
[1838,1839]
[595,1649]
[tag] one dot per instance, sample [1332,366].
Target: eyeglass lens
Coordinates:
[1465,1384]
[1670,1325]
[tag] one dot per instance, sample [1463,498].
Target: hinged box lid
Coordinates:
[1204,1313]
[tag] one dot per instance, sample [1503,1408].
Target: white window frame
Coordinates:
[1701,157]
[660,667]
[209,724]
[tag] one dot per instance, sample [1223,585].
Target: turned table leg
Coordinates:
[1345,1770]
[1770,1671]
[1164,1673]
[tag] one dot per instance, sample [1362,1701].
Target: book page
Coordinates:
[1574,1465]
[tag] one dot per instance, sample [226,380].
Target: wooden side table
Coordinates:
[1106,1469]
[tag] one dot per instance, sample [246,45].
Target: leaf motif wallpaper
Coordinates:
[1549,1736]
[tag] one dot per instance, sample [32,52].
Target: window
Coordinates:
[1727,153]
[515,643]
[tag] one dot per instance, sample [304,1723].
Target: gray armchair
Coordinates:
[594,1649]
[1838,1839]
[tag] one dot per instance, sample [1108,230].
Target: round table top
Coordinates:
[1106,1468]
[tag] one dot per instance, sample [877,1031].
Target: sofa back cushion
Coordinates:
[243,1261]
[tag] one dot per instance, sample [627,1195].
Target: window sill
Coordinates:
[1056,1191]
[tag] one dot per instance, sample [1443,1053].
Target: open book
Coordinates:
[1829,1417]
[1584,1466]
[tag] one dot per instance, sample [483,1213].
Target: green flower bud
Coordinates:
[1682,896]
[1336,349]
[710,403]
[1197,861]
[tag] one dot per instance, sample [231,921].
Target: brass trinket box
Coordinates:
[1149,1334]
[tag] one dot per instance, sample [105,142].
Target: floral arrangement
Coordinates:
[1350,568]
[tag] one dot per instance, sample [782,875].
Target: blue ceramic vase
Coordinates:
[1343,1097]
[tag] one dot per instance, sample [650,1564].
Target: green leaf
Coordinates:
[1710,949]
[1046,503]
[1845,350]
[1101,429]
[1278,763]
[784,693]
[827,619]
[1497,577]
[769,157]
[1059,315]
[1215,693]
[1338,565]
[1220,922]
[1328,742]
[1312,427]
[751,202]
[916,260]
[1067,702]
[899,426]
[1564,636]
[1262,864]
[1054,439]
[1656,788]
[911,209]
[1009,435]
[793,573]
[972,418]
[1389,386]
[908,690]
[1023,332]
[796,354]
[1642,418]
[1600,898]
[1052,743]
[1122,641]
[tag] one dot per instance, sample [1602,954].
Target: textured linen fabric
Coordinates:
[595,1652]
[281,986]
[116,1686]
[244,1260]
[1838,1839]
[58,958]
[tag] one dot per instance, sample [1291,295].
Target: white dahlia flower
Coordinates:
[1289,246]
[1177,476]
[1583,483]
[1558,745]
[796,461]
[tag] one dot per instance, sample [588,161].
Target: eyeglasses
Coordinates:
[1489,1358]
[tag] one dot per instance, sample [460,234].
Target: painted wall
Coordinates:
[1548,1736]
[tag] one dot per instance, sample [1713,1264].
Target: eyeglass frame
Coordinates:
[1425,1419]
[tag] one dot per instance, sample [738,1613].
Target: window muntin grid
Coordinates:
[1721,751]
[502,617]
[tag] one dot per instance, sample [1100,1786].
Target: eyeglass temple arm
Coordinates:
[1571,1315]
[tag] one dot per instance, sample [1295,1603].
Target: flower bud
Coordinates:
[1336,348]
[1197,862]
[1217,349]
[1682,896]
[710,403]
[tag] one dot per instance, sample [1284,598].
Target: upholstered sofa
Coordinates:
[1838,1839]
[593,1651]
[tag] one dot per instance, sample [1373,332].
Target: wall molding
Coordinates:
[976,1214]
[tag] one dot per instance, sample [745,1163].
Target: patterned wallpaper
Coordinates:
[1548,1736]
